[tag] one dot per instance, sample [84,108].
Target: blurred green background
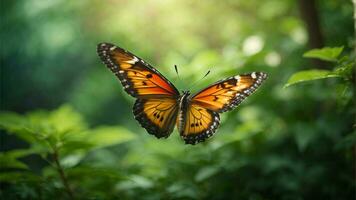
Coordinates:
[68,131]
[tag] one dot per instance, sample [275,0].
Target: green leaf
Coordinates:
[100,137]
[326,54]
[65,119]
[9,159]
[71,160]
[17,124]
[109,135]
[309,75]
[41,125]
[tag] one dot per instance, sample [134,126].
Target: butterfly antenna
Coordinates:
[176,68]
[195,82]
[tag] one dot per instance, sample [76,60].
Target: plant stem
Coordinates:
[61,174]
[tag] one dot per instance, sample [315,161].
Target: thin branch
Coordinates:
[61,174]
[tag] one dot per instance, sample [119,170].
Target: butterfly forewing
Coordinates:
[138,78]
[227,94]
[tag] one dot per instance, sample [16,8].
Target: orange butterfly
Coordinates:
[159,106]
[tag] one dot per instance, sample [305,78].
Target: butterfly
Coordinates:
[159,106]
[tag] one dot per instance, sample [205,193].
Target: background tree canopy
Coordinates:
[68,132]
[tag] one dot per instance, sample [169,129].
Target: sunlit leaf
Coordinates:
[106,136]
[71,160]
[327,53]
[42,125]
[65,119]
[17,124]
[309,75]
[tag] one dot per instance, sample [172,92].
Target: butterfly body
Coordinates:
[159,106]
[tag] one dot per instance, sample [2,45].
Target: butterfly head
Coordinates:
[185,92]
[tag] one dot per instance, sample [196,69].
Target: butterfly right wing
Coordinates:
[157,115]
[200,119]
[227,94]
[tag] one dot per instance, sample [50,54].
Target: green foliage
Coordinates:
[10,159]
[61,132]
[326,53]
[344,68]
[62,129]
[309,75]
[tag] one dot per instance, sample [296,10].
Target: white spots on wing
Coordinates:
[237,77]
[121,71]
[127,86]
[133,61]
[112,48]
[253,75]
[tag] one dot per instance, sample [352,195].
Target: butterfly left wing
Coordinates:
[156,115]
[138,78]
[156,105]
[225,95]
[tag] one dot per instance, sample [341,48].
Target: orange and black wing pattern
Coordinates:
[226,94]
[197,123]
[200,119]
[156,106]
[138,78]
[157,115]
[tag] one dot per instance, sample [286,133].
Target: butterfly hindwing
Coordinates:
[197,123]
[138,78]
[227,94]
[157,116]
